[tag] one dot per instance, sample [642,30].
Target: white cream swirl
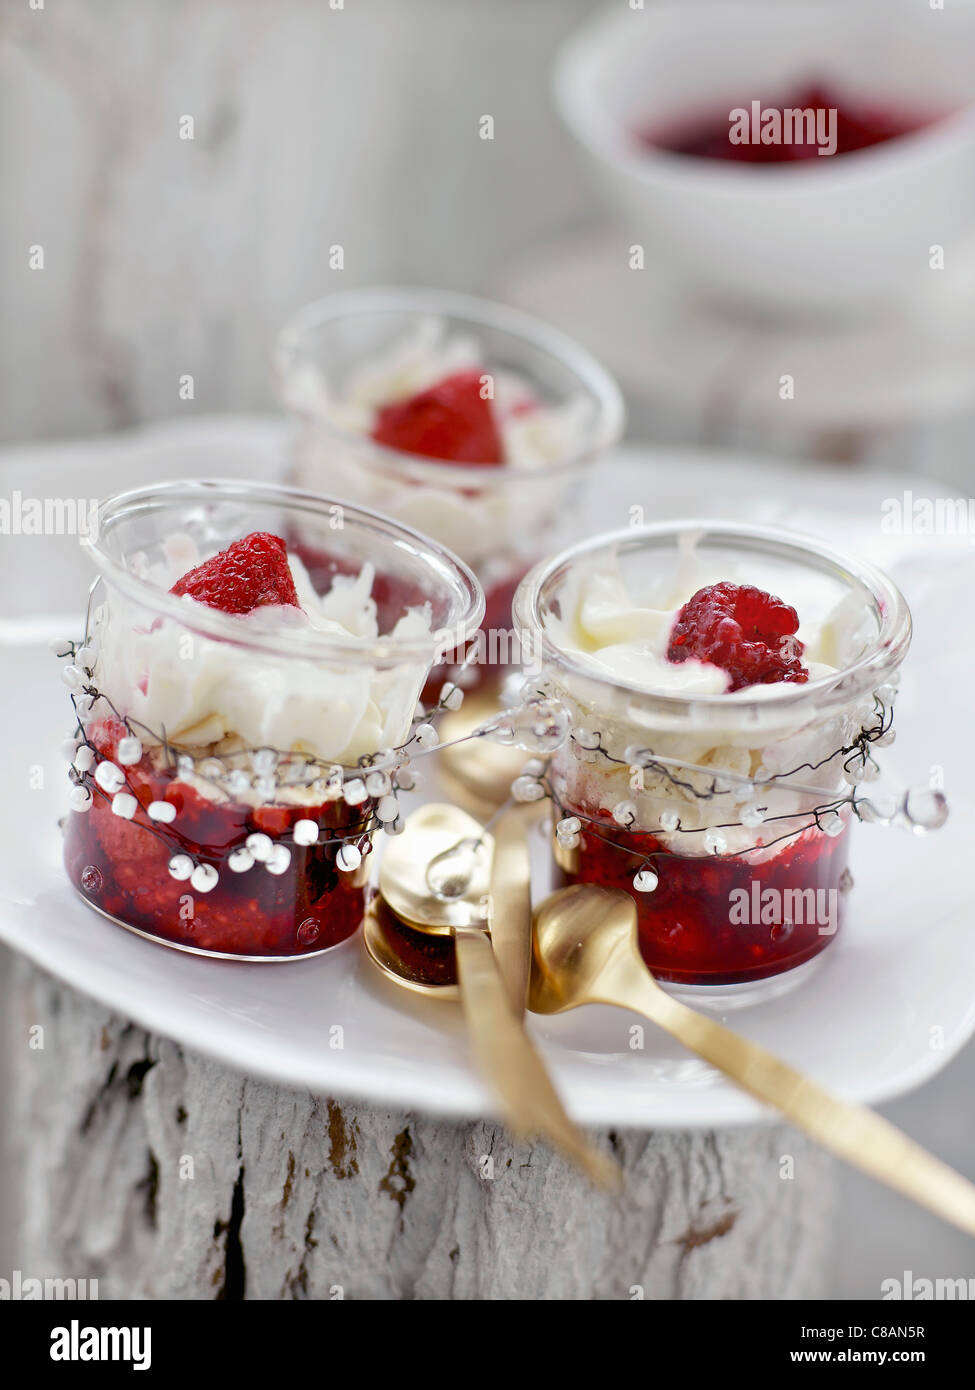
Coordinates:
[203,692]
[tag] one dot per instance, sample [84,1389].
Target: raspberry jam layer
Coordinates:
[702,925]
[858,127]
[121,867]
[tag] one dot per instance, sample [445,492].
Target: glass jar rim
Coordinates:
[211,622]
[871,668]
[292,344]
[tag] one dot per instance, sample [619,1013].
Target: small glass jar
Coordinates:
[499,518]
[726,816]
[229,772]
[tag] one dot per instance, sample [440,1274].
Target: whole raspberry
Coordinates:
[451,420]
[249,574]
[745,631]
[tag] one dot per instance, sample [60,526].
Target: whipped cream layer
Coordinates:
[210,695]
[621,633]
[475,524]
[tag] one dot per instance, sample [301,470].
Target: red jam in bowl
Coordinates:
[859,126]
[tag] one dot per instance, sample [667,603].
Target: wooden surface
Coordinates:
[164,1175]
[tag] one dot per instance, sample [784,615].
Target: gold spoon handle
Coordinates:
[511,906]
[528,1100]
[853,1132]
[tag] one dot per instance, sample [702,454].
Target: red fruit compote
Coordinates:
[726,687]
[240,730]
[464,419]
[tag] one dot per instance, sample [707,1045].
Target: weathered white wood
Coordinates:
[316,123]
[294,1196]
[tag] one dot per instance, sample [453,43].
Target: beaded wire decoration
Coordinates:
[539,724]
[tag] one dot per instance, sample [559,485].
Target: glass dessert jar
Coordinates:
[241,728]
[467,420]
[724,811]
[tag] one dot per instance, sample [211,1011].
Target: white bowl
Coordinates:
[835,233]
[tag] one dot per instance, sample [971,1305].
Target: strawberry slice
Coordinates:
[450,420]
[251,573]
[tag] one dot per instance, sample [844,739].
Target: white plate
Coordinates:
[894,1000]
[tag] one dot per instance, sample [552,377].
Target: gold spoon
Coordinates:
[436,875]
[586,952]
[528,1101]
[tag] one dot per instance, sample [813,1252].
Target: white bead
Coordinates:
[669,820]
[388,809]
[752,815]
[355,791]
[348,858]
[84,758]
[831,824]
[645,880]
[85,656]
[715,842]
[394,827]
[109,777]
[80,799]
[886,695]
[125,805]
[180,866]
[240,860]
[69,747]
[569,825]
[925,808]
[211,769]
[426,736]
[585,738]
[533,768]
[636,756]
[569,841]
[73,676]
[185,765]
[877,810]
[886,739]
[624,813]
[266,788]
[260,846]
[204,878]
[239,782]
[406,779]
[869,772]
[451,696]
[129,751]
[527,789]
[84,704]
[305,832]
[163,811]
[377,784]
[264,761]
[278,860]
[334,783]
